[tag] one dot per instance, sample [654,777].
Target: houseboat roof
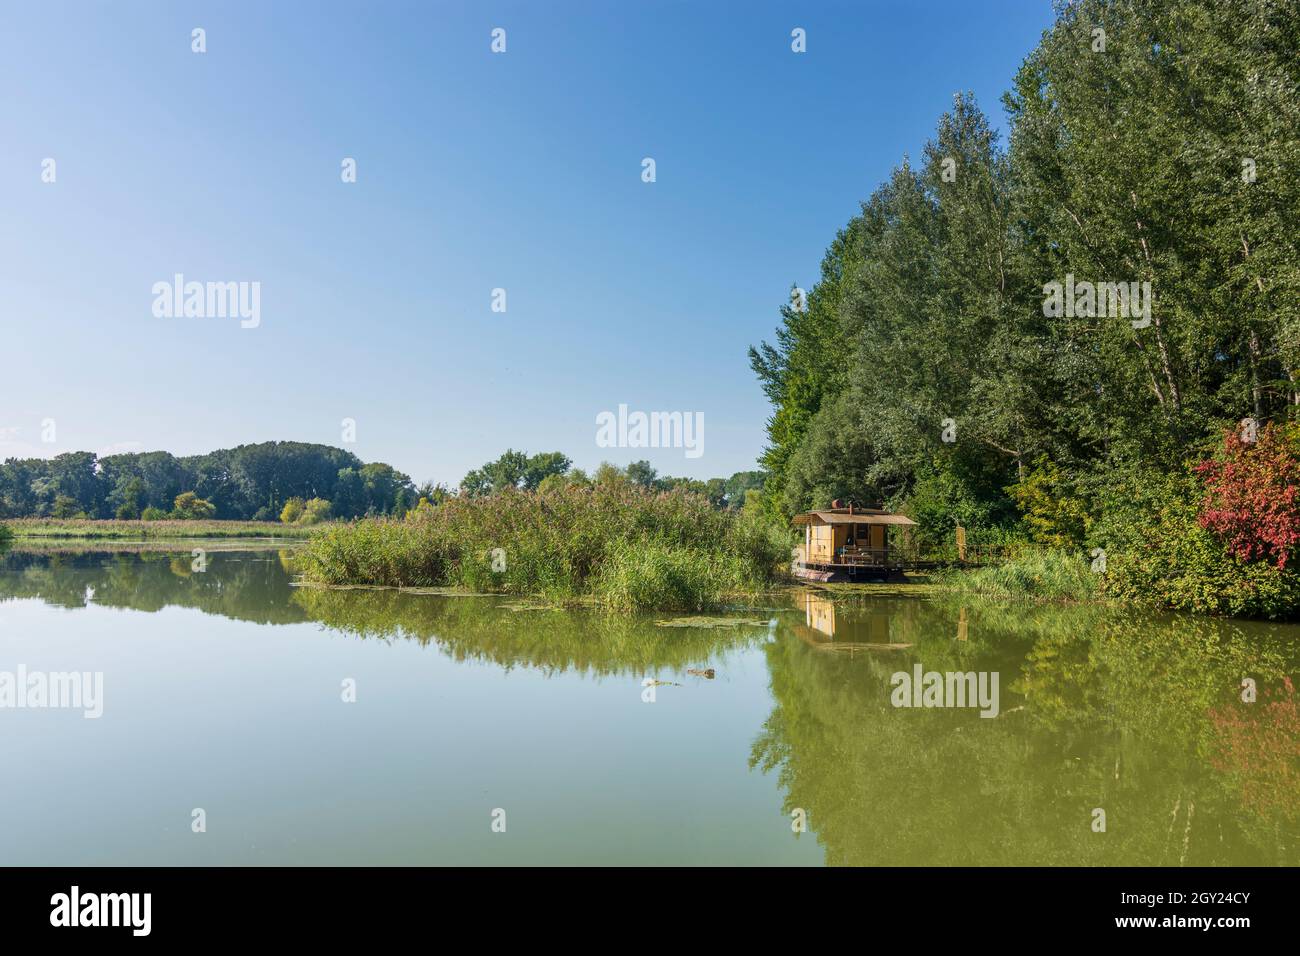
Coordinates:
[856,516]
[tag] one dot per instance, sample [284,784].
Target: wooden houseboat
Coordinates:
[848,544]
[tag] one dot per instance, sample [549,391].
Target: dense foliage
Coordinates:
[929,371]
[1158,549]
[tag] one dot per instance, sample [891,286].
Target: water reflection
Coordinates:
[510,634]
[859,628]
[245,585]
[1139,715]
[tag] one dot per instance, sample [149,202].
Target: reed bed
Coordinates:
[624,547]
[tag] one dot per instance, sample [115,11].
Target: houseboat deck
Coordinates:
[852,544]
[856,572]
[848,544]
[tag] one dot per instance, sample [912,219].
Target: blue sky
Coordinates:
[475,171]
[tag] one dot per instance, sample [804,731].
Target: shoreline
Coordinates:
[112,529]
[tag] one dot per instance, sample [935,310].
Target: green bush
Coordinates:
[991,543]
[153,514]
[314,511]
[6,535]
[190,507]
[1157,552]
[943,499]
[1051,511]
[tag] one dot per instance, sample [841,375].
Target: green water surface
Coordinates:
[224,690]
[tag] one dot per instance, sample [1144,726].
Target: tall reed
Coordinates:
[1044,574]
[626,547]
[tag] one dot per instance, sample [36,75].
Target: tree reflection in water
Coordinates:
[1138,714]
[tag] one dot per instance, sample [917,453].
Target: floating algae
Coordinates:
[530,606]
[851,646]
[437,591]
[706,621]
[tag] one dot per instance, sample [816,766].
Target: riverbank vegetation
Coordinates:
[623,545]
[1035,574]
[50,529]
[1152,437]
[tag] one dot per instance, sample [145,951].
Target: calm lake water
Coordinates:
[223,690]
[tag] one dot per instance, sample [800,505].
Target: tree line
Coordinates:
[292,482]
[251,482]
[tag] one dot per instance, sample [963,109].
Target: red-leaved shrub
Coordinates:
[1252,496]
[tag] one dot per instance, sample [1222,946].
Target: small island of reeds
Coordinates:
[620,546]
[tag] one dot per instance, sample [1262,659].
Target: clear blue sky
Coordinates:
[520,170]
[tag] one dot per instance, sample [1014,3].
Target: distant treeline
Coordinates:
[256,482]
[251,482]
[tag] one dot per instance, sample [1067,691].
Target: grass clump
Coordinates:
[628,548]
[670,579]
[1047,574]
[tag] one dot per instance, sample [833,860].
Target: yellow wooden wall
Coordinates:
[822,541]
[820,547]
